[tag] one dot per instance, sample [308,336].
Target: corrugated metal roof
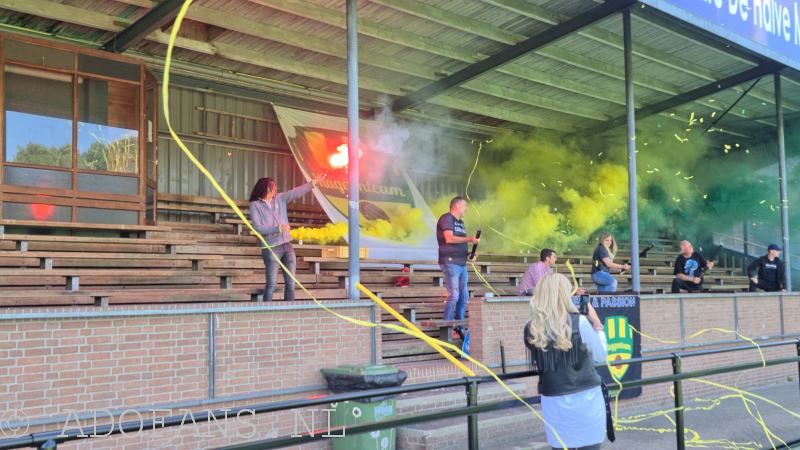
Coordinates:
[572,83]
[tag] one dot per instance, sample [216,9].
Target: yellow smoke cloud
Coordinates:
[543,192]
[331,233]
[406,226]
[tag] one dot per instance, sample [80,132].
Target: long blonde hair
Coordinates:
[613,249]
[550,307]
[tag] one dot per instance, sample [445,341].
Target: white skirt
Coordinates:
[579,418]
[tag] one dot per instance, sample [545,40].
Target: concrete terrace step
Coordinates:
[502,429]
[441,399]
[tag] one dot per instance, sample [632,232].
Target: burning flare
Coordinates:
[340,159]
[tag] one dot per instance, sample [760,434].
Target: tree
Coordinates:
[38,154]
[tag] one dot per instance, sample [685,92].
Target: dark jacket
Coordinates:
[769,272]
[564,372]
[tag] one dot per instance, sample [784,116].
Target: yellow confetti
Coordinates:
[701,120]
[737,145]
[676,200]
[677,173]
[772,208]
[650,171]
[600,154]
[543,185]
[656,169]
[713,113]
[747,150]
[727,146]
[688,178]
[705,196]
[762,202]
[680,139]
[691,119]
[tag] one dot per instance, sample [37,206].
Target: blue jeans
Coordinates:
[286,254]
[455,280]
[606,283]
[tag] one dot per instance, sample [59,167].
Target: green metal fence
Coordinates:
[51,439]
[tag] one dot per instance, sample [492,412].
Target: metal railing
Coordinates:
[51,439]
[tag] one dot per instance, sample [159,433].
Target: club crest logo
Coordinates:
[620,344]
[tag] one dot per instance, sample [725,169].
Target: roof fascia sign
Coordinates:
[770,28]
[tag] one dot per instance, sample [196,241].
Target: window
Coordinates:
[108,125]
[38,117]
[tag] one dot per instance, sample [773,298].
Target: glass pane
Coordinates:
[101,215]
[39,55]
[24,176]
[109,184]
[108,67]
[37,211]
[108,126]
[38,117]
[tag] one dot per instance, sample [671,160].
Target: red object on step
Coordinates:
[403,281]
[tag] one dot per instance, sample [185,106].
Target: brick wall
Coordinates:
[53,367]
[65,367]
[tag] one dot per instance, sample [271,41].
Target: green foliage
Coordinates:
[44,156]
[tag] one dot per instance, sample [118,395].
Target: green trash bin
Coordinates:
[359,378]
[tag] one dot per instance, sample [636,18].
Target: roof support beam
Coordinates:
[689,96]
[509,54]
[396,36]
[157,17]
[613,40]
[556,53]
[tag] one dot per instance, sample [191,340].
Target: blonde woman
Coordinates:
[563,348]
[603,263]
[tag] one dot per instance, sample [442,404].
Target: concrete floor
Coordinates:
[727,426]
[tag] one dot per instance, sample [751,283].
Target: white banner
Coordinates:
[396,222]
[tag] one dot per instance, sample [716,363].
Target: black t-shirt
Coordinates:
[451,253]
[600,253]
[690,266]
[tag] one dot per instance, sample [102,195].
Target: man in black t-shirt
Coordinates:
[451,234]
[767,272]
[689,268]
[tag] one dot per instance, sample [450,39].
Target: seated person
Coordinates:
[537,271]
[767,272]
[689,268]
[603,263]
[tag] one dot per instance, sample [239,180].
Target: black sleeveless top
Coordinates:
[563,372]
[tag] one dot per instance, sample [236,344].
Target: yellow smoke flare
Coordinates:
[329,234]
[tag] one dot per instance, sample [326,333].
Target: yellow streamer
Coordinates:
[483,279]
[436,344]
[723,330]
[478,211]
[411,327]
[647,336]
